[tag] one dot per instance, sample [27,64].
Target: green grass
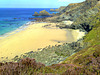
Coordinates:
[92,40]
[84,56]
[83,62]
[93,37]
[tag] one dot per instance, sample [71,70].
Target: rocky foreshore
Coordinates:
[53,54]
[76,58]
[56,54]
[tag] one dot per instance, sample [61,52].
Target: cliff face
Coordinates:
[88,20]
[73,11]
[62,8]
[76,11]
[85,16]
[81,14]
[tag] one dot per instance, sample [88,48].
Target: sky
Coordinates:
[36,3]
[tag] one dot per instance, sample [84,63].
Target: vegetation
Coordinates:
[85,62]
[88,59]
[93,37]
[52,54]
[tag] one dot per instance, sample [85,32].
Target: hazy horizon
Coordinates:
[36,3]
[30,7]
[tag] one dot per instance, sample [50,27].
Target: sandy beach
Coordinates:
[38,35]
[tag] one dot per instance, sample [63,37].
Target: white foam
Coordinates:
[17,30]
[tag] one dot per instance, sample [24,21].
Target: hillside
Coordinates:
[77,58]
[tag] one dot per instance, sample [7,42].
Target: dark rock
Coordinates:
[15,18]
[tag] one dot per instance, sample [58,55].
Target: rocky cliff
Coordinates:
[86,17]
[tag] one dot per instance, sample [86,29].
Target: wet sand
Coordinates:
[33,37]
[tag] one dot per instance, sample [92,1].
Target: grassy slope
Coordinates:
[85,61]
[89,56]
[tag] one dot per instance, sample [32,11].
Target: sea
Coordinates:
[13,18]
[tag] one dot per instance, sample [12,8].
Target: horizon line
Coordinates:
[58,7]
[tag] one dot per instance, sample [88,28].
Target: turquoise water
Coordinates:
[13,18]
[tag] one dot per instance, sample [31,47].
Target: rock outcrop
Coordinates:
[36,14]
[84,16]
[57,10]
[42,13]
[54,10]
[62,8]
[80,13]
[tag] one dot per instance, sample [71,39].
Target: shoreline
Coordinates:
[23,29]
[78,26]
[33,29]
[16,30]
